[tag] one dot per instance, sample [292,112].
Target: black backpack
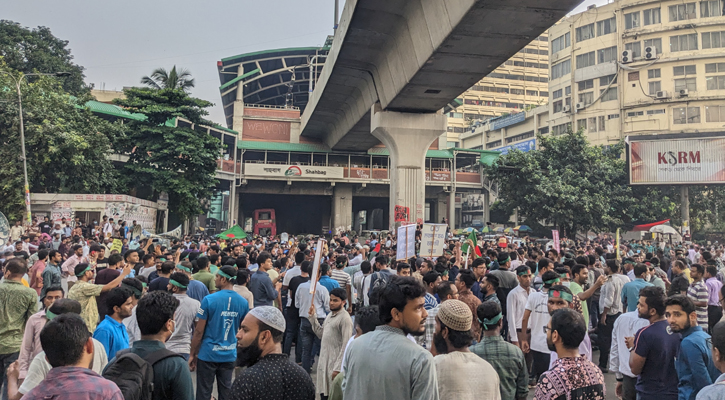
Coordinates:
[381,280]
[133,374]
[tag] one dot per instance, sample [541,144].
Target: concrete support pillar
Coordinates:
[342,208]
[452,209]
[685,208]
[486,207]
[408,137]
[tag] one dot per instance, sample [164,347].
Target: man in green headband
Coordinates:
[185,315]
[536,316]
[561,297]
[86,292]
[196,289]
[506,358]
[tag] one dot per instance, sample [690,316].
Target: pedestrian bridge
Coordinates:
[415,56]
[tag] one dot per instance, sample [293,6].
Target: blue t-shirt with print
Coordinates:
[223,312]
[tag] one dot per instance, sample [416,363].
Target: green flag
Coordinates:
[471,237]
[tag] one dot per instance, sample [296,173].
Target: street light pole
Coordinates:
[22,134]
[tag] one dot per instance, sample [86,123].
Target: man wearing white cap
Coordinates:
[459,370]
[272,374]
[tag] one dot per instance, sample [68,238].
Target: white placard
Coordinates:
[406,242]
[315,266]
[433,240]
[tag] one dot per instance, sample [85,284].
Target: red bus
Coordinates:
[265,223]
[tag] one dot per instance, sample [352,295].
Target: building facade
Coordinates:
[632,67]
[520,82]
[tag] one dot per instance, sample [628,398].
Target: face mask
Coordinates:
[566,284]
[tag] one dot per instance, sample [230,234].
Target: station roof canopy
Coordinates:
[278,77]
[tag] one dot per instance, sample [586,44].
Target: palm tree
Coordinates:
[160,79]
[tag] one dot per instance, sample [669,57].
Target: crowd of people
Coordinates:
[257,319]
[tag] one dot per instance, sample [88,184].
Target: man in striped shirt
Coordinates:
[697,292]
[343,278]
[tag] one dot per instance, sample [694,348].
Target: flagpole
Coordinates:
[468,250]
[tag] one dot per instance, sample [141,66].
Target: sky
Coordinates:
[120,42]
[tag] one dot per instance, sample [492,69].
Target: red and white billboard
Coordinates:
[677,161]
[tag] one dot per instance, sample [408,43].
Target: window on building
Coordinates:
[592,124]
[656,43]
[581,124]
[686,115]
[612,116]
[605,80]
[517,91]
[455,115]
[491,145]
[567,91]
[682,12]
[714,113]
[567,101]
[713,40]
[631,20]
[601,123]
[655,112]
[635,49]
[586,98]
[560,129]
[607,26]
[561,69]
[558,106]
[556,94]
[686,83]
[654,87]
[543,130]
[635,113]
[585,60]
[713,68]
[683,42]
[684,70]
[532,93]
[543,93]
[561,43]
[585,32]
[652,16]
[607,55]
[711,8]
[653,73]
[610,94]
[584,85]
[715,82]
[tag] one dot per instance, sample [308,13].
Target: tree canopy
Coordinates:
[167,158]
[38,51]
[575,186]
[66,145]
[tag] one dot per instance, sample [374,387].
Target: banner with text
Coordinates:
[406,242]
[557,245]
[677,161]
[433,240]
[292,171]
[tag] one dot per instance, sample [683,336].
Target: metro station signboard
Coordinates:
[292,171]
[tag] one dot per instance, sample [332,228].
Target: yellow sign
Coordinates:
[117,245]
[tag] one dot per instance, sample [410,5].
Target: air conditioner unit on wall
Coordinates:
[684,92]
[626,57]
[566,109]
[662,94]
[580,106]
[650,53]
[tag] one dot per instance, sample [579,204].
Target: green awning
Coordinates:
[282,146]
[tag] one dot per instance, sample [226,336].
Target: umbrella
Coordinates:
[468,230]
[508,230]
[664,229]
[485,229]
[498,230]
[235,232]
[523,228]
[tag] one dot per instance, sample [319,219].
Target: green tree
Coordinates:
[37,50]
[66,145]
[168,158]
[501,212]
[161,79]
[575,186]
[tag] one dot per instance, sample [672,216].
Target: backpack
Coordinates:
[380,280]
[134,374]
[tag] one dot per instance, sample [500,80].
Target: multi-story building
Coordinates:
[632,67]
[519,82]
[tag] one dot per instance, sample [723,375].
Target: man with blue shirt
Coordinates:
[214,345]
[111,332]
[694,364]
[326,280]
[716,391]
[630,290]
[264,289]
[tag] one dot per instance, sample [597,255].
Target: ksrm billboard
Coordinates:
[673,160]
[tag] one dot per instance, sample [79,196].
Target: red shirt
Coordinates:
[36,275]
